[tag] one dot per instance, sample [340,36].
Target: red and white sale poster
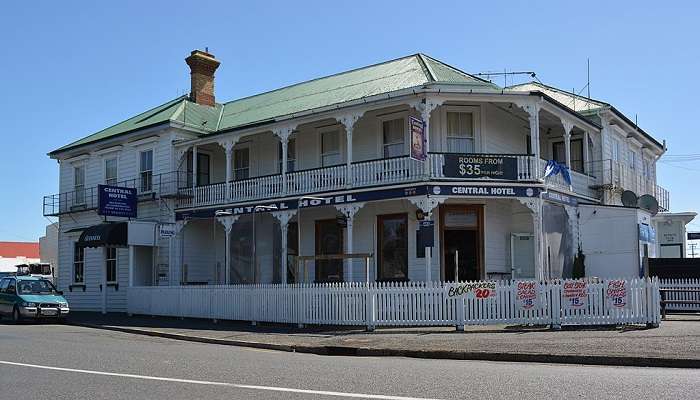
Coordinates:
[575,294]
[616,293]
[526,295]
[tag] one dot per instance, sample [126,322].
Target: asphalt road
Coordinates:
[64,362]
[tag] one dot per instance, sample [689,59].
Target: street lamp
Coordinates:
[255,249]
[299,225]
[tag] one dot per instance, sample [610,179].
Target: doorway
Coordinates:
[329,241]
[462,242]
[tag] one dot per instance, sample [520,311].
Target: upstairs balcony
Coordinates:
[149,187]
[363,174]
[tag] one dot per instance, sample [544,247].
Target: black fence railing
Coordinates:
[148,187]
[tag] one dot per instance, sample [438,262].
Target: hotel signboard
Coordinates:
[115,201]
[475,166]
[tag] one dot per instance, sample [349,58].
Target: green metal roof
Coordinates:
[403,73]
[571,100]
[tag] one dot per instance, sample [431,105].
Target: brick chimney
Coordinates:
[202,68]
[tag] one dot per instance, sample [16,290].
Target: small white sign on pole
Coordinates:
[167,230]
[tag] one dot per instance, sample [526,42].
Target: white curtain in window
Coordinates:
[460,132]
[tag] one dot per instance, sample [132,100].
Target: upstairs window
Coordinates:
[78,264]
[111,171]
[79,184]
[146,170]
[241,163]
[202,169]
[291,155]
[615,150]
[330,148]
[393,133]
[632,159]
[460,132]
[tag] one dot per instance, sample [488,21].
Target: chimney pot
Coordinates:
[202,67]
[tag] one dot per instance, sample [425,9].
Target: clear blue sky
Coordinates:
[69,69]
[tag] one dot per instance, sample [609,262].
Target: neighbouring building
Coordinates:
[15,253]
[48,246]
[671,234]
[233,192]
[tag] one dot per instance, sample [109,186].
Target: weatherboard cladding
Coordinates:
[390,76]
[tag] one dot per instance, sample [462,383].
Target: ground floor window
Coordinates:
[78,264]
[329,240]
[392,236]
[111,264]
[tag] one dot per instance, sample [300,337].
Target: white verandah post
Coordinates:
[349,211]
[227,222]
[348,121]
[284,217]
[283,133]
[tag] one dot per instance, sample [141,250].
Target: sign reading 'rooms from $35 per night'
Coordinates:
[474,166]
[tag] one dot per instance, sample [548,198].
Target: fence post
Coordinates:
[555,301]
[653,302]
[459,303]
[370,307]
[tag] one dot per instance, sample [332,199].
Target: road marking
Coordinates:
[211,383]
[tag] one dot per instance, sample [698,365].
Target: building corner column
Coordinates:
[283,134]
[535,206]
[427,204]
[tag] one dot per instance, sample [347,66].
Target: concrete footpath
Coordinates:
[676,343]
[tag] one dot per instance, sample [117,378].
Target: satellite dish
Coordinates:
[629,198]
[649,203]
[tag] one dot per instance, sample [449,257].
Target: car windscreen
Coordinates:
[35,287]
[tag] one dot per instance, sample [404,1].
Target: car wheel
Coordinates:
[16,317]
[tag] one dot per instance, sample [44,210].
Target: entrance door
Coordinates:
[329,240]
[522,255]
[462,242]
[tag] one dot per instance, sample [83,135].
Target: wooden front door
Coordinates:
[461,235]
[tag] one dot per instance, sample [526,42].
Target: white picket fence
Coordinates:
[397,304]
[681,284]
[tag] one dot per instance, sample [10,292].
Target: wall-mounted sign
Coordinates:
[616,293]
[115,201]
[693,235]
[419,148]
[526,295]
[647,233]
[166,230]
[473,290]
[485,191]
[561,198]
[475,166]
[575,294]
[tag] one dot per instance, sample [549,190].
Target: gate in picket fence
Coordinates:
[561,302]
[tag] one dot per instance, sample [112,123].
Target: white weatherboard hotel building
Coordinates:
[233,192]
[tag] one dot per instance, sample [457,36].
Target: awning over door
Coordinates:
[112,234]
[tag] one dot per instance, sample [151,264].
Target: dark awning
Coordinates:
[112,234]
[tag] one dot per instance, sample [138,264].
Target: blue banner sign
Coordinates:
[115,201]
[475,166]
[370,195]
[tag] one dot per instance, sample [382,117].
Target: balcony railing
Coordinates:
[148,187]
[369,173]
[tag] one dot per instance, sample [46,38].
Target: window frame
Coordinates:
[105,178]
[111,263]
[449,137]
[326,130]
[78,250]
[79,199]
[242,146]
[476,112]
[143,171]
[380,228]
[404,122]
[189,171]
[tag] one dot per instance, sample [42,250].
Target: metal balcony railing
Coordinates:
[148,187]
